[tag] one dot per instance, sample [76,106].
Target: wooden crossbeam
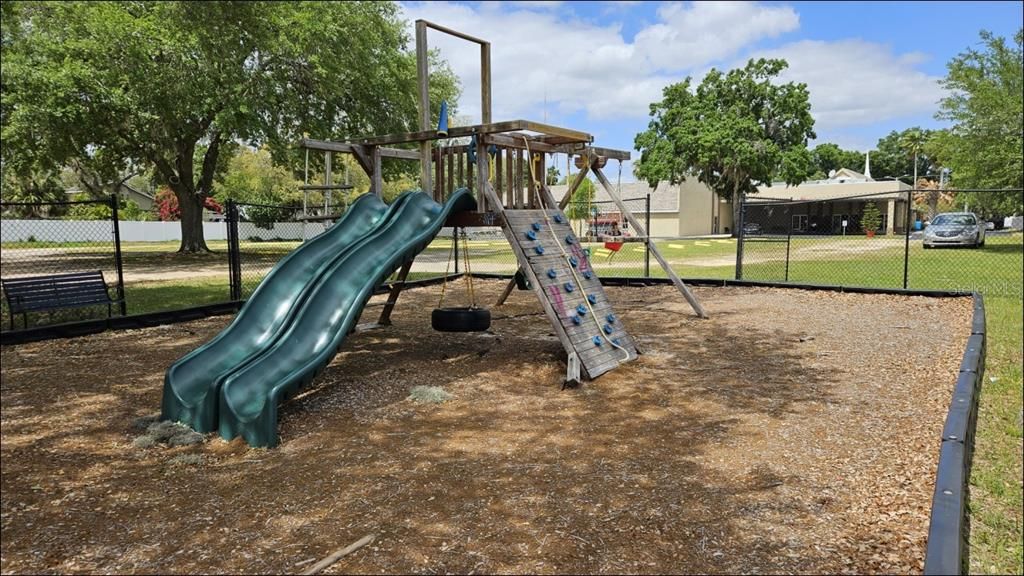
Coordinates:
[694,303]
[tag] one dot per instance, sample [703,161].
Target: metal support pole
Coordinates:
[234,253]
[647,251]
[789,239]
[118,262]
[739,241]
[906,240]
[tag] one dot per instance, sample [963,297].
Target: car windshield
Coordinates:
[954,220]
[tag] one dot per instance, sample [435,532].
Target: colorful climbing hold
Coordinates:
[551,273]
[588,275]
[581,310]
[597,340]
[591,298]
[616,342]
[569,287]
[608,329]
[577,320]
[559,219]
[569,239]
[536,226]
[538,249]
[531,234]
[610,318]
[573,261]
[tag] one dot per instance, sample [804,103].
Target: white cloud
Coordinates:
[693,35]
[547,53]
[853,82]
[577,65]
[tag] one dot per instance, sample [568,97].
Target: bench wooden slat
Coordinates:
[39,293]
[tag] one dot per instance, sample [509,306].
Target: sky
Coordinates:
[870,67]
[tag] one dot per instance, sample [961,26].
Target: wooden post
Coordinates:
[697,308]
[423,80]
[377,179]
[580,176]
[485,83]
[396,289]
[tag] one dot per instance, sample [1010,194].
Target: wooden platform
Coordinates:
[560,303]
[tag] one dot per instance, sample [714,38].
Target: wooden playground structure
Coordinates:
[504,164]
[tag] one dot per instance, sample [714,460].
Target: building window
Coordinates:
[799,222]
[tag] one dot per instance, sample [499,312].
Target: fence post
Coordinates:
[906,240]
[789,240]
[647,244]
[234,265]
[118,262]
[739,240]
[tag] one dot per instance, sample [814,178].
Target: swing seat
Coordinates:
[460,319]
[613,246]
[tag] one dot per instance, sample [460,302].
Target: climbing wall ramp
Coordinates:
[569,290]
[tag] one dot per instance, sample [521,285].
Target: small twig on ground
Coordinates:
[339,554]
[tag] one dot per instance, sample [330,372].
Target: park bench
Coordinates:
[56,292]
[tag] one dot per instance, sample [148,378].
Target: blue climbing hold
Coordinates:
[531,234]
[572,261]
[610,318]
[536,226]
[539,249]
[569,239]
[581,310]
[597,340]
[591,298]
[616,342]
[559,219]
[586,252]
[587,275]
[608,329]
[569,287]
[551,273]
[577,320]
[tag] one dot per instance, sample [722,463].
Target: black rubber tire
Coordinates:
[460,319]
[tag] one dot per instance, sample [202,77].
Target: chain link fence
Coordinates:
[923,239]
[47,252]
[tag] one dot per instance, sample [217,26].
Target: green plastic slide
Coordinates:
[249,396]
[189,385]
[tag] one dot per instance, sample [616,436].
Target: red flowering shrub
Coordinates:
[167,205]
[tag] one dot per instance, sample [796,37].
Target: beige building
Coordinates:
[686,209]
[692,209]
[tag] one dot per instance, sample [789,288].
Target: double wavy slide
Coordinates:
[294,323]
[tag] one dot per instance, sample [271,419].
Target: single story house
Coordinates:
[822,206]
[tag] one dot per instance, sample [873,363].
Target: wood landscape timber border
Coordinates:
[948,548]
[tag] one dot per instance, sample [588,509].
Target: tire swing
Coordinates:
[460,319]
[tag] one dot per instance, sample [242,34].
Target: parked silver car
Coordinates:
[955,229]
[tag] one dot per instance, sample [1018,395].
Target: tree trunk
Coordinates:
[191,206]
[737,202]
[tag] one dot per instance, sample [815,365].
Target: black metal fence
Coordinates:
[39,242]
[820,242]
[921,239]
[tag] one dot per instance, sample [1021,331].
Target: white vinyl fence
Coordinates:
[133,231]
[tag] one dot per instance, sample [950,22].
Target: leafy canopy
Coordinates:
[985,146]
[735,131]
[173,84]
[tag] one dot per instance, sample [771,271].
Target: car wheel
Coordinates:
[927,247]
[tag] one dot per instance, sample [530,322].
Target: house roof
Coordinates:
[833,190]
